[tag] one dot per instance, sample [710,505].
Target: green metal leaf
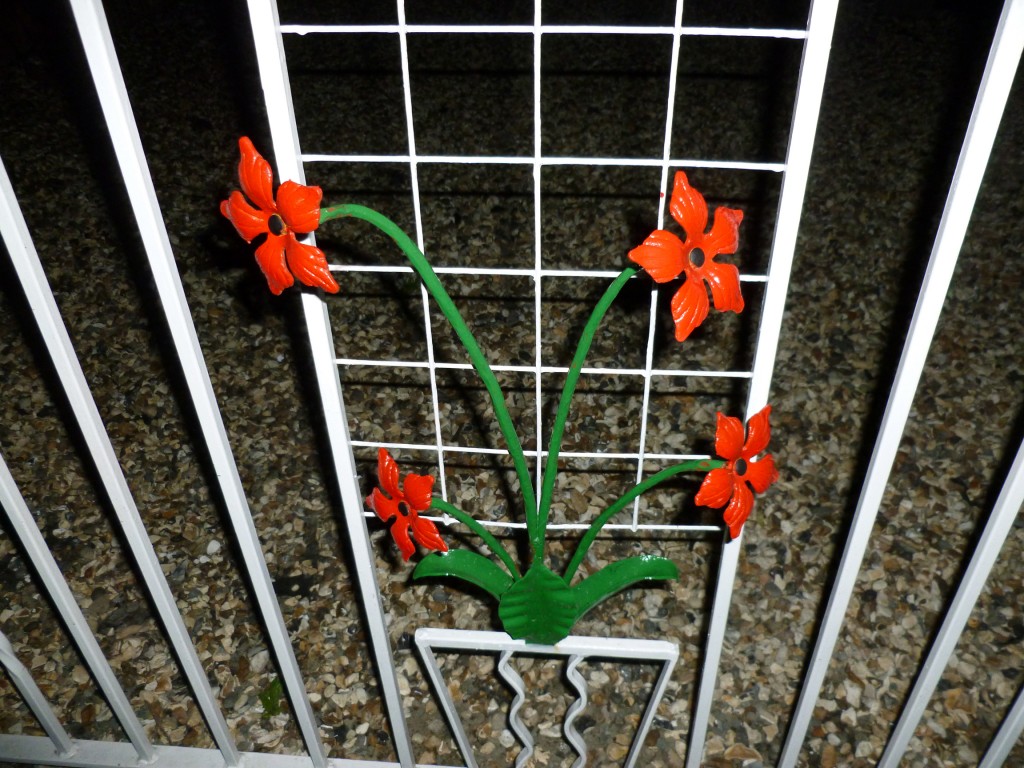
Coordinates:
[539,608]
[468,566]
[615,577]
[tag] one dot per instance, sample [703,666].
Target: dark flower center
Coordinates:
[740,467]
[403,509]
[697,257]
[275,224]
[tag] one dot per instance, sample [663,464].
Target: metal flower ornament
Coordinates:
[535,604]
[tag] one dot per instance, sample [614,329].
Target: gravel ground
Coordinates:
[898,96]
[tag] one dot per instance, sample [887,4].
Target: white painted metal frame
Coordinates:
[981,131]
[817,42]
[574,649]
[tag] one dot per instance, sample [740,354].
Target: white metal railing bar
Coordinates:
[537,172]
[547,29]
[573,648]
[986,552]
[638,372]
[981,132]
[550,160]
[36,750]
[34,698]
[28,533]
[1006,736]
[503,272]
[532,453]
[1006,53]
[127,144]
[652,312]
[417,211]
[807,106]
[281,117]
[62,354]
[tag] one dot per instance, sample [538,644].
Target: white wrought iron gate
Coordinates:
[540,165]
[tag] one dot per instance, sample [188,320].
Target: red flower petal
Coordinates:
[724,236]
[688,207]
[759,432]
[729,437]
[309,264]
[255,176]
[724,280]
[689,307]
[427,535]
[716,490]
[400,533]
[270,257]
[418,490]
[661,254]
[739,509]
[762,473]
[387,474]
[249,222]
[384,507]
[299,205]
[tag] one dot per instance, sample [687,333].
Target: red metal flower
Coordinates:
[665,257]
[296,209]
[403,503]
[728,484]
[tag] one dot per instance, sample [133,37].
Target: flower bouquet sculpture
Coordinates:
[537,605]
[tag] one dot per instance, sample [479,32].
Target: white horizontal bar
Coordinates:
[353,361]
[626,162]
[546,29]
[36,750]
[530,453]
[573,645]
[507,524]
[503,272]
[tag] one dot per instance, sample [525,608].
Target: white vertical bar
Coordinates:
[1006,737]
[417,210]
[62,353]
[538,245]
[652,320]
[798,160]
[57,588]
[277,93]
[981,132]
[30,692]
[1011,497]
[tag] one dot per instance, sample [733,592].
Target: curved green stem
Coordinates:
[700,465]
[492,543]
[448,309]
[562,414]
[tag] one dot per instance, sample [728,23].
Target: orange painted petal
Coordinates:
[759,432]
[255,176]
[729,437]
[387,473]
[418,490]
[716,490]
[270,257]
[724,280]
[761,473]
[248,221]
[299,205]
[309,264]
[739,509]
[384,507]
[689,307]
[724,236]
[688,207]
[400,533]
[427,535]
[661,255]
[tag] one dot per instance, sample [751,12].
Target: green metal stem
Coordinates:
[433,285]
[700,465]
[492,543]
[562,414]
